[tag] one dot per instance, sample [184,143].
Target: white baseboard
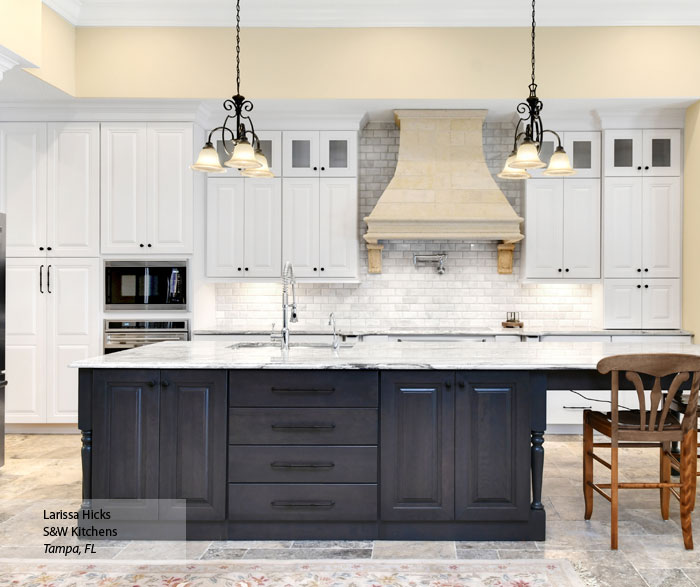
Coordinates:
[41,429]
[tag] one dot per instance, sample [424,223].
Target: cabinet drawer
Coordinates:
[303,426]
[302,464]
[565,407]
[349,389]
[300,503]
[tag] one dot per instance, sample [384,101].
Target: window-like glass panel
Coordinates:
[546,151]
[582,155]
[661,152]
[266,148]
[338,154]
[301,154]
[623,152]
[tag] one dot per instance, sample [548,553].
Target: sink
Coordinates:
[292,345]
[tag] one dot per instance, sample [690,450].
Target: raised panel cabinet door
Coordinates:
[193,443]
[623,153]
[583,149]
[170,183]
[300,225]
[26,340]
[662,152]
[338,153]
[225,227]
[73,195]
[73,331]
[492,446]
[23,187]
[661,303]
[417,446]
[622,227]
[662,227]
[544,228]
[125,440]
[622,303]
[263,228]
[300,153]
[124,188]
[338,233]
[581,257]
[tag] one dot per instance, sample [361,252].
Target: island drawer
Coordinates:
[302,464]
[302,502]
[348,389]
[303,426]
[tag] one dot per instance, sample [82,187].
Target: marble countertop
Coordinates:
[388,355]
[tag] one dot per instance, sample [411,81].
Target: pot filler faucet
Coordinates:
[287,316]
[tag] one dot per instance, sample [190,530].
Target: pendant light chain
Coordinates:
[238,47]
[533,85]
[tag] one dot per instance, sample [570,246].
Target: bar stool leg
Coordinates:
[587,466]
[665,477]
[688,471]
[614,496]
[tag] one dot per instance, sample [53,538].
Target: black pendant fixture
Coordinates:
[246,154]
[527,143]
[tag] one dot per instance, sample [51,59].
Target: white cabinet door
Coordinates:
[124,188]
[225,227]
[270,143]
[583,149]
[661,303]
[544,211]
[661,227]
[263,228]
[623,303]
[338,228]
[662,152]
[300,228]
[170,180]
[581,257]
[25,399]
[73,190]
[622,153]
[73,331]
[23,187]
[300,155]
[338,153]
[622,227]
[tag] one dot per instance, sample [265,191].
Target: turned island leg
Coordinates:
[537,464]
[85,425]
[538,424]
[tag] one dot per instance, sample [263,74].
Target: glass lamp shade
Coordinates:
[559,164]
[243,156]
[208,160]
[262,171]
[511,173]
[527,156]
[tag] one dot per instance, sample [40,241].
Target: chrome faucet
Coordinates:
[336,338]
[287,316]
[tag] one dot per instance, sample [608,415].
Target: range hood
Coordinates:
[442,188]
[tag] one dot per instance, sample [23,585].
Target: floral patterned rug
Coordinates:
[265,573]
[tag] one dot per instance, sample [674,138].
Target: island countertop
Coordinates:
[390,355]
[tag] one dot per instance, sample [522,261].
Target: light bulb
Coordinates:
[559,164]
[527,156]
[511,173]
[208,160]
[243,156]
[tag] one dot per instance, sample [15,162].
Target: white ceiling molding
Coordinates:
[377,13]
[10,60]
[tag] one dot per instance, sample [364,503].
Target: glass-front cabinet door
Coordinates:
[623,153]
[338,154]
[635,153]
[300,153]
[583,149]
[661,152]
[270,143]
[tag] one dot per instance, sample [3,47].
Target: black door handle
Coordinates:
[41,279]
[283,503]
[48,279]
[303,391]
[293,465]
[302,426]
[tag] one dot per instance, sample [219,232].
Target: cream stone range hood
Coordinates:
[442,188]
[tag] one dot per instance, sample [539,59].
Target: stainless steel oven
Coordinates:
[120,335]
[145,285]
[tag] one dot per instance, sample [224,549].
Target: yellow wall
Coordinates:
[691,222]
[57,52]
[20,28]
[606,62]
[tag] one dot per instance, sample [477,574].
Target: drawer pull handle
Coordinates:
[303,390]
[577,407]
[282,503]
[303,426]
[291,465]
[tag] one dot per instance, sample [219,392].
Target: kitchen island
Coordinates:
[411,440]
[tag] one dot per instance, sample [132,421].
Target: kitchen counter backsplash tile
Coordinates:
[470,294]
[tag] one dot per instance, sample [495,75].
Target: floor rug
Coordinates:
[310,573]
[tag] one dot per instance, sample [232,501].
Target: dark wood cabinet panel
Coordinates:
[193,443]
[417,445]
[296,389]
[492,456]
[125,418]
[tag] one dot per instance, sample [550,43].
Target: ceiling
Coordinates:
[378,13]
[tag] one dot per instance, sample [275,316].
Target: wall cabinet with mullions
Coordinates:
[270,143]
[319,154]
[583,149]
[634,153]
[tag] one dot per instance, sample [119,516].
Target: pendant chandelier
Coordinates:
[527,143]
[246,154]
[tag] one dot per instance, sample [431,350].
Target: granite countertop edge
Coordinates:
[418,331]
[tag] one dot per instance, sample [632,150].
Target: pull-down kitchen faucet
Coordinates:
[336,338]
[287,280]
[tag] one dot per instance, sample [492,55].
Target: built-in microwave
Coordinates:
[145,285]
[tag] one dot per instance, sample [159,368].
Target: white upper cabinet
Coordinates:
[635,153]
[338,249]
[642,303]
[623,303]
[300,228]
[319,154]
[562,231]
[244,227]
[583,149]
[661,227]
[270,143]
[147,188]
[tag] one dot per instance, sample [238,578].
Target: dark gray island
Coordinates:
[387,441]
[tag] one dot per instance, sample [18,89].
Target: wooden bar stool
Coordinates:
[656,428]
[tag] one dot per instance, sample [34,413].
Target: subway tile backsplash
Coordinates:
[470,294]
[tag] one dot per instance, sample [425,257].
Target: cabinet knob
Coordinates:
[149,245]
[141,245]
[165,383]
[639,270]
[639,287]
[646,270]
[240,269]
[566,270]
[639,168]
[315,268]
[323,168]
[646,168]
[461,384]
[323,268]
[41,248]
[448,385]
[646,286]
[559,270]
[315,168]
[48,248]
[152,383]
[246,269]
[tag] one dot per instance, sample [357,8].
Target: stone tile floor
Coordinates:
[651,554]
